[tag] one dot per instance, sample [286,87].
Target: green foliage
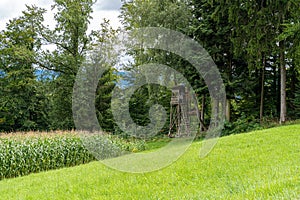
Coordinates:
[72,42]
[250,41]
[104,90]
[156,13]
[110,146]
[156,143]
[296,102]
[145,97]
[242,38]
[21,99]
[242,125]
[27,103]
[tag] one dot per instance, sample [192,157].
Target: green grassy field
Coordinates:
[258,165]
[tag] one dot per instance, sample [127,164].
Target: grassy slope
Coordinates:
[258,165]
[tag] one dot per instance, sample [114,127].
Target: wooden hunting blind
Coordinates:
[183,107]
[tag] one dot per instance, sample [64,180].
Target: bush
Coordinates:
[108,146]
[241,125]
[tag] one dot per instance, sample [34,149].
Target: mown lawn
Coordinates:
[258,165]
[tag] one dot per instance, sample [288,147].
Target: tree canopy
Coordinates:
[255,45]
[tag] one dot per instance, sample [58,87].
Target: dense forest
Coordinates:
[255,45]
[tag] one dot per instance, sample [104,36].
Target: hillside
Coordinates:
[258,165]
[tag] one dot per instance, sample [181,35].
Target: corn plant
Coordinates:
[21,156]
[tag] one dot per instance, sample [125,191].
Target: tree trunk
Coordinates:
[282,84]
[228,99]
[293,81]
[202,111]
[278,92]
[262,92]
[276,82]
[227,110]
[215,110]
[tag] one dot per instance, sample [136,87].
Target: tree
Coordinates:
[214,32]
[290,30]
[20,94]
[174,15]
[257,25]
[72,41]
[104,40]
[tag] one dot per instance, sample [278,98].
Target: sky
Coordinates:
[108,9]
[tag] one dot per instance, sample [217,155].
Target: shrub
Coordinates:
[241,125]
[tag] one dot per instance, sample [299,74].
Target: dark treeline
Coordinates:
[255,45]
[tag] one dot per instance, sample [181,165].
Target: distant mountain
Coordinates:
[43,74]
[125,78]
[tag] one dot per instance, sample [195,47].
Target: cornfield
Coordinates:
[21,156]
